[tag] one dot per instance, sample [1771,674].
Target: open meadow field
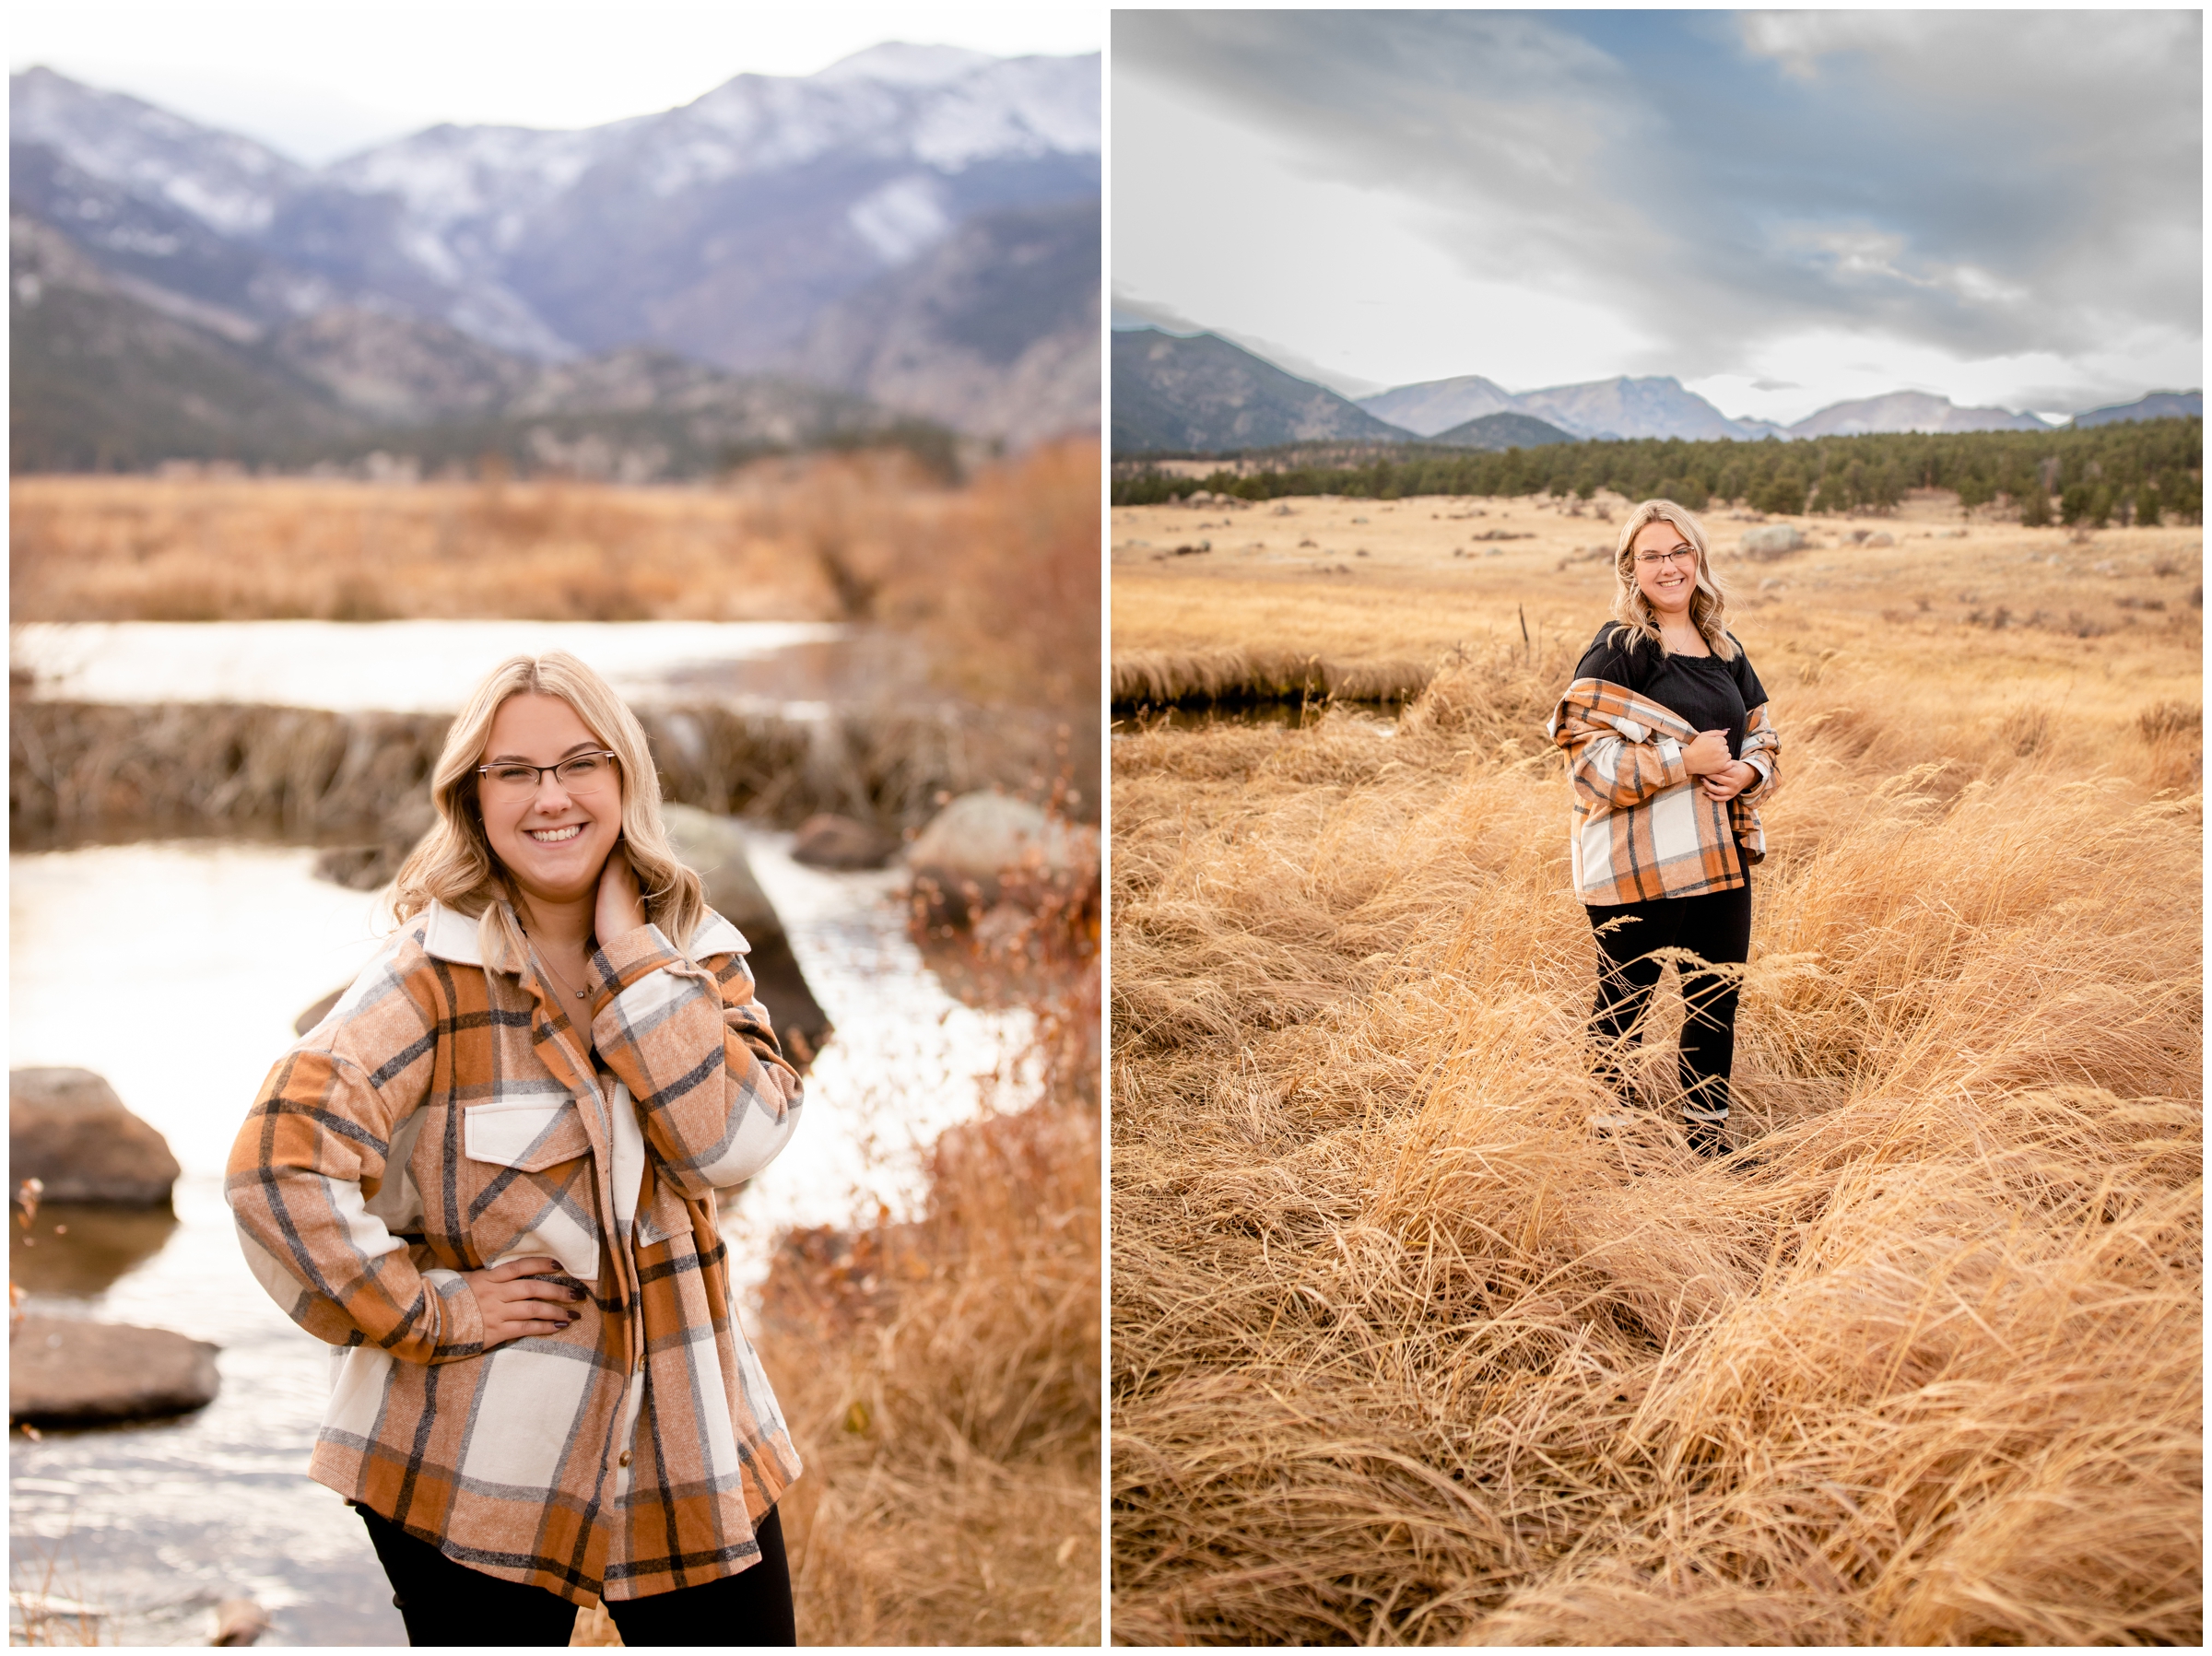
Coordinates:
[1404,1352]
[1000,574]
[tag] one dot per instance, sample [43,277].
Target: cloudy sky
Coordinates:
[320,78]
[1782,210]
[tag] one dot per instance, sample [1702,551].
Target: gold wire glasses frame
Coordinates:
[1679,553]
[578,774]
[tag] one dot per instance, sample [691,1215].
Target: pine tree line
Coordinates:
[2135,472]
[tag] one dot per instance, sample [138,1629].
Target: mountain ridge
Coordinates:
[102,381]
[1203,394]
[724,230]
[1661,407]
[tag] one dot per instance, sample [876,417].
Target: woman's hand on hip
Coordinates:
[516,1299]
[621,906]
[1729,781]
[1705,755]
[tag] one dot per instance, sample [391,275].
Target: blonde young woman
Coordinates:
[1668,746]
[486,1179]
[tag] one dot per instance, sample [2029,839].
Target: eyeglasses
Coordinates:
[1683,554]
[581,774]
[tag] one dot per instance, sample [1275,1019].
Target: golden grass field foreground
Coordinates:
[1404,1352]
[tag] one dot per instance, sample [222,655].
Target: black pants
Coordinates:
[447,1603]
[1717,929]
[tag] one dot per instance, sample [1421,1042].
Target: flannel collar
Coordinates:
[450,935]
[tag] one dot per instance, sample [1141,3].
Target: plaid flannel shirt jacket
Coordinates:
[1642,828]
[444,1117]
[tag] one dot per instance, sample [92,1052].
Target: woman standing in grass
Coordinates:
[487,1179]
[1668,744]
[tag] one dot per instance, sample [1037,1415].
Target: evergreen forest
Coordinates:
[2141,472]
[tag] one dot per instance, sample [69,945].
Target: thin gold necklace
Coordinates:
[556,972]
[555,969]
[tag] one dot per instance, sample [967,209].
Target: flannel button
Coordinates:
[625,1460]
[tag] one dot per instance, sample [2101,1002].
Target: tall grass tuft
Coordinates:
[942,1384]
[1407,1348]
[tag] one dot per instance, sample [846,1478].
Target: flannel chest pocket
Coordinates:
[527,1133]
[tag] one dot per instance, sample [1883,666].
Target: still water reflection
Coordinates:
[175,970]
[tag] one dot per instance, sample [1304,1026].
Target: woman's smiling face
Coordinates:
[553,840]
[1666,582]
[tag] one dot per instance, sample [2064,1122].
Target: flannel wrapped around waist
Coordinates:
[1643,828]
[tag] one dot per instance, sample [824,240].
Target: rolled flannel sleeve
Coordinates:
[311,1152]
[1762,751]
[1607,768]
[694,1046]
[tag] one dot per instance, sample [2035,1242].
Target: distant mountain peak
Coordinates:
[1204,395]
[1909,411]
[897,62]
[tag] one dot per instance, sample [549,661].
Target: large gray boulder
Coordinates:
[67,1129]
[713,847]
[985,848]
[1776,540]
[61,1371]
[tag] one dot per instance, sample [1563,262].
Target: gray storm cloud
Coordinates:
[1988,184]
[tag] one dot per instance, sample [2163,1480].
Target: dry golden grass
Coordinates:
[199,549]
[1403,1352]
[1374,624]
[1002,574]
[942,1382]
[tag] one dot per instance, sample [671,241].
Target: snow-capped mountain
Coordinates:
[1909,411]
[1653,406]
[1436,405]
[230,183]
[721,229]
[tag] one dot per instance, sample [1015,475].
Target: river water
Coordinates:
[430,666]
[175,970]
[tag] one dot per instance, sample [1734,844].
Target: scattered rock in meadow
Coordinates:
[67,1129]
[1775,540]
[983,849]
[832,841]
[1880,537]
[62,1371]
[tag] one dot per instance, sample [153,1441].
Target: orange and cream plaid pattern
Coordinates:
[1642,828]
[444,1117]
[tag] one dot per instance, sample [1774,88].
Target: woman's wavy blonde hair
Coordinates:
[454,864]
[1708,602]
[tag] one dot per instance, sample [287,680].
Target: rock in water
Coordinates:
[319,1011]
[67,1128]
[713,847]
[983,849]
[239,1622]
[1776,540]
[828,841]
[61,1371]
